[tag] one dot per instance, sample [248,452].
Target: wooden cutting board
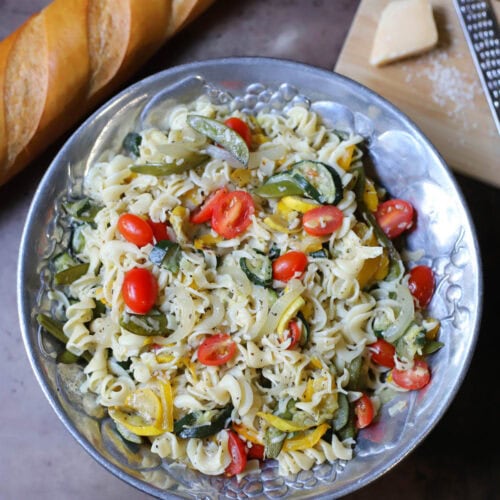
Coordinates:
[440,91]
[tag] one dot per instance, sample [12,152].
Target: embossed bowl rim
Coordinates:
[256,69]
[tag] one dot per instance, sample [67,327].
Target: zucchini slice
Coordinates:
[322,182]
[201,424]
[258,269]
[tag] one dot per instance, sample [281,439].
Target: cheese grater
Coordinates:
[483,37]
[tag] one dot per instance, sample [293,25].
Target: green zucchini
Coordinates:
[147,325]
[201,424]
[320,254]
[77,239]
[55,328]
[279,185]
[341,416]
[131,143]
[221,134]
[349,430]
[319,181]
[431,346]
[274,252]
[355,373]
[81,210]
[259,269]
[166,254]
[63,261]
[191,161]
[273,442]
[411,342]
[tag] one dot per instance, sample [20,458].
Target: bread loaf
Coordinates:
[62,62]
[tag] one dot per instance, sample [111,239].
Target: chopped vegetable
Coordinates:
[240,127]
[273,441]
[283,424]
[221,134]
[139,290]
[179,166]
[305,440]
[131,143]
[322,221]
[280,185]
[413,379]
[233,214]
[258,269]
[421,285]
[166,254]
[148,325]
[363,408]
[135,229]
[394,217]
[238,453]
[201,424]
[289,265]
[216,350]
[71,274]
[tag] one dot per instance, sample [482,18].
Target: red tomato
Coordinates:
[363,408]
[159,230]
[232,215]
[135,229]
[394,217]
[216,350]
[322,220]
[288,265]
[382,352]
[241,128]
[139,290]
[238,452]
[256,451]
[421,284]
[413,379]
[295,332]
[204,212]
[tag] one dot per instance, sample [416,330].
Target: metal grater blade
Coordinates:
[483,37]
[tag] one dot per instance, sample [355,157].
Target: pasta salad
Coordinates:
[232,288]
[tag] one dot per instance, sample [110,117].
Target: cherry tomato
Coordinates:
[241,128]
[159,230]
[322,220]
[216,350]
[135,229]
[256,451]
[204,212]
[139,290]
[289,265]
[363,408]
[238,452]
[232,214]
[394,217]
[382,353]
[421,284]
[413,379]
[295,332]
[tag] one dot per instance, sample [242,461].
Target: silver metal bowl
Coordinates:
[405,162]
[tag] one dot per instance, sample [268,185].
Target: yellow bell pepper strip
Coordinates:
[278,223]
[345,160]
[167,402]
[433,332]
[290,313]
[248,434]
[282,424]
[142,413]
[309,390]
[241,176]
[297,204]
[370,196]
[303,442]
[316,363]
[206,241]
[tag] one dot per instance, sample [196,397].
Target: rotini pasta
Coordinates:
[240,304]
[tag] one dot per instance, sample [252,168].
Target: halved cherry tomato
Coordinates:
[139,290]
[232,214]
[216,350]
[421,284]
[394,217]
[256,451]
[382,352]
[135,229]
[289,265]
[159,230]
[204,212]
[295,332]
[363,408]
[322,220]
[238,452]
[413,379]
[241,128]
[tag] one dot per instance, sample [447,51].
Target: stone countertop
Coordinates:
[38,457]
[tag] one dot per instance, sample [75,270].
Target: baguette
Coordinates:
[62,62]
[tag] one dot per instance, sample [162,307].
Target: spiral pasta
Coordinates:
[289,347]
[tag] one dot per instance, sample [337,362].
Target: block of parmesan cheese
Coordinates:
[406,28]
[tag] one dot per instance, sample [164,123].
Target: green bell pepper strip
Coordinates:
[221,134]
[153,324]
[71,274]
[166,254]
[160,169]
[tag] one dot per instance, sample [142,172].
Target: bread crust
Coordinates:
[62,62]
